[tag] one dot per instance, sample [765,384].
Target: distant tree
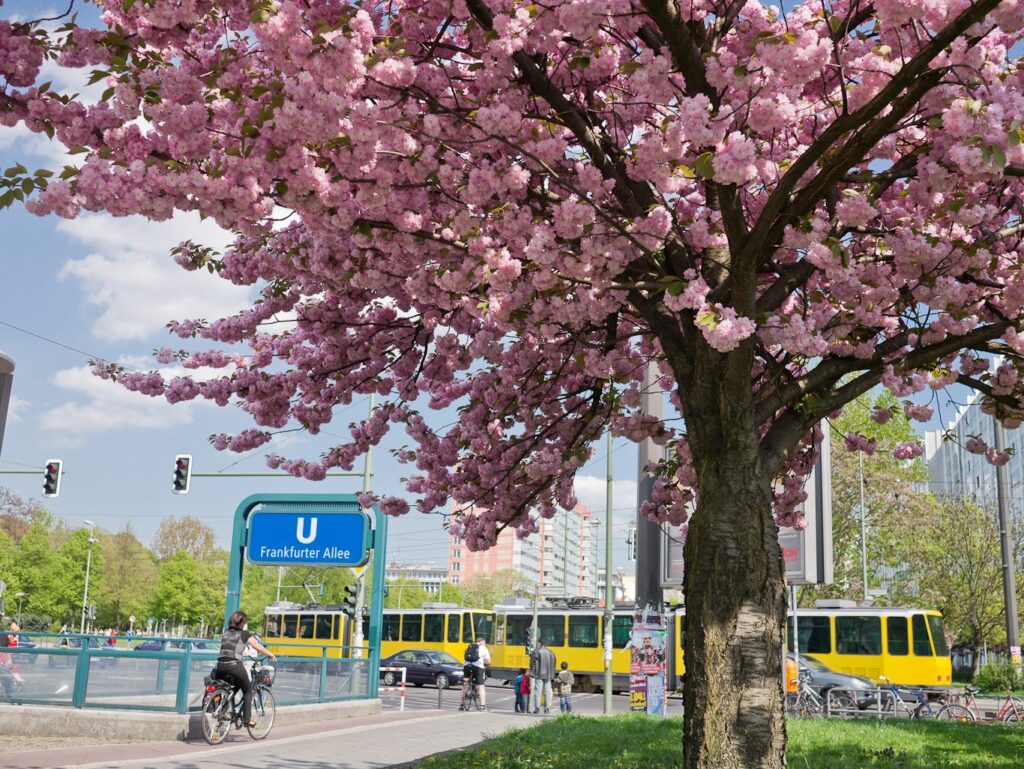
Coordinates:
[896,505]
[17,514]
[68,588]
[485,591]
[181,596]
[957,564]
[405,593]
[184,534]
[130,578]
[37,572]
[449,593]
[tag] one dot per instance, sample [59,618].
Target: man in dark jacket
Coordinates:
[542,670]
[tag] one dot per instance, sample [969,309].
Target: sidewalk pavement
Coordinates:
[372,742]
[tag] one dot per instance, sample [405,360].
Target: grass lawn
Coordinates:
[638,742]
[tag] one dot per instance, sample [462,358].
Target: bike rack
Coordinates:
[399,689]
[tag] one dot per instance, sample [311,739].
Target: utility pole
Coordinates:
[609,589]
[863,529]
[357,619]
[1009,586]
[648,533]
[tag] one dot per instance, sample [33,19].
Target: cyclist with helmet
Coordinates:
[234,642]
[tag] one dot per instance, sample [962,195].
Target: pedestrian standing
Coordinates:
[523,691]
[542,669]
[563,686]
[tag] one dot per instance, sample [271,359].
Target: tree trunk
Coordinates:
[735,614]
[975,658]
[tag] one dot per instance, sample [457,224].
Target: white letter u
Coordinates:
[305,539]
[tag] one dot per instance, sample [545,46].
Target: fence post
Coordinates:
[323,674]
[181,696]
[81,675]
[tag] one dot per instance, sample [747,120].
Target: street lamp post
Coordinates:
[88,566]
[609,589]
[19,595]
[863,529]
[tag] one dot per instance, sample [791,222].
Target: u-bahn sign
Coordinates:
[298,538]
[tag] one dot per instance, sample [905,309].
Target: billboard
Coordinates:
[807,554]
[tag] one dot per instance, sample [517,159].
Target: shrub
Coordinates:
[997,677]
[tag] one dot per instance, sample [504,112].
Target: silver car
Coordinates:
[855,690]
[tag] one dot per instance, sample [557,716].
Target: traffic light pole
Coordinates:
[609,588]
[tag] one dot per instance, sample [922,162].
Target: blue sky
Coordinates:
[106,287]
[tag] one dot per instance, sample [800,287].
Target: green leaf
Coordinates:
[705,166]
[15,171]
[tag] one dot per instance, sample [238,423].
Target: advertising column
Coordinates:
[647,690]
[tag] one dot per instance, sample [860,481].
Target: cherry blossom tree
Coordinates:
[514,209]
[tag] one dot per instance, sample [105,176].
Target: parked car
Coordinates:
[855,690]
[173,646]
[24,642]
[423,666]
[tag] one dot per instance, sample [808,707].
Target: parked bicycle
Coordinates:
[805,701]
[1011,710]
[893,703]
[222,705]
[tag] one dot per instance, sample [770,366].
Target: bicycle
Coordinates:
[222,706]
[1011,710]
[895,702]
[805,701]
[471,696]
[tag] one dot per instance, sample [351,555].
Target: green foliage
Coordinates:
[405,593]
[130,578]
[639,742]
[485,591]
[189,591]
[896,510]
[997,678]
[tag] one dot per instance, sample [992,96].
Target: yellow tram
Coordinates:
[905,646]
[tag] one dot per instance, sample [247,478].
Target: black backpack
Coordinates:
[472,653]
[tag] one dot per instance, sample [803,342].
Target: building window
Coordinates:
[455,580]
[456,553]
[456,541]
[456,566]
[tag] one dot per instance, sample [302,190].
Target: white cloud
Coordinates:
[132,277]
[591,491]
[16,407]
[100,405]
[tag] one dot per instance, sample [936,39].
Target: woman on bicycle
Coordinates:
[229,664]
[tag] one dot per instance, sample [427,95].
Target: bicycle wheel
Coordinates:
[841,704]
[955,712]
[264,709]
[217,717]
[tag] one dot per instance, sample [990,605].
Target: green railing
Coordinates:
[83,671]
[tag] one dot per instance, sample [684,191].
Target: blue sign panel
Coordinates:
[278,538]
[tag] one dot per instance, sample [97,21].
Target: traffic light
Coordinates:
[182,473]
[51,477]
[631,544]
[349,604]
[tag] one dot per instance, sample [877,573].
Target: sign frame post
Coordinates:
[311,504]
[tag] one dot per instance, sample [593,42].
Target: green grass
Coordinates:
[638,742]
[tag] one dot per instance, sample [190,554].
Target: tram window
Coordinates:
[306,622]
[938,635]
[552,630]
[583,631]
[518,632]
[433,628]
[483,626]
[291,624]
[467,628]
[390,627]
[273,625]
[899,639]
[499,629]
[858,635]
[815,635]
[412,627]
[323,626]
[622,629]
[682,636]
[366,630]
[922,646]
[453,628]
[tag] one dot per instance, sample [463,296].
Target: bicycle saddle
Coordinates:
[971,689]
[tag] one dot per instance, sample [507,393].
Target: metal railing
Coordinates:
[85,671]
